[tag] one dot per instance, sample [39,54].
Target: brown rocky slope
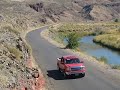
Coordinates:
[78,10]
[16,70]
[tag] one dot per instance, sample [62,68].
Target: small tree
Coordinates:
[72,40]
[116,20]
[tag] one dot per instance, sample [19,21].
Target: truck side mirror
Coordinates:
[59,59]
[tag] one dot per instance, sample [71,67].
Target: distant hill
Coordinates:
[33,12]
[78,10]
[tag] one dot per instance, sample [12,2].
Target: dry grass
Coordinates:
[15,52]
[1,66]
[83,29]
[116,67]
[109,40]
[10,29]
[3,80]
[102,59]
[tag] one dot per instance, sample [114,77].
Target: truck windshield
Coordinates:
[71,61]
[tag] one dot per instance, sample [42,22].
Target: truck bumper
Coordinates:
[75,73]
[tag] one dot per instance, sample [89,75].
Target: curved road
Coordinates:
[46,54]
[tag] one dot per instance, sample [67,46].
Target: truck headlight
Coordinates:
[68,69]
[82,67]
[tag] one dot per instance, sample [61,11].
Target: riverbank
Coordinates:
[111,41]
[102,66]
[61,31]
[110,56]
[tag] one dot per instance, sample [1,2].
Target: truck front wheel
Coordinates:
[83,74]
[65,75]
[59,69]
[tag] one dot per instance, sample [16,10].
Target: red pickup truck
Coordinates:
[71,65]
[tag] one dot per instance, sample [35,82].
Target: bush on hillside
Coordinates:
[116,67]
[116,20]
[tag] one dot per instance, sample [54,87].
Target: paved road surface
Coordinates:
[46,54]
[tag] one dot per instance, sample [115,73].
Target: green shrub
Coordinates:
[15,52]
[103,59]
[116,67]
[116,20]
[72,40]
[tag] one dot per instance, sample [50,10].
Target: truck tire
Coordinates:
[65,75]
[59,69]
[83,75]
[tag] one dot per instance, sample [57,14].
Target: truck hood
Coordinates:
[75,65]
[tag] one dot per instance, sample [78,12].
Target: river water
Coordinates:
[89,47]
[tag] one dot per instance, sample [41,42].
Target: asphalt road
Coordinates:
[46,56]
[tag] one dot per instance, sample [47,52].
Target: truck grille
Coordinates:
[76,68]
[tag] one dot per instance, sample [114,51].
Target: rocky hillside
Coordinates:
[78,10]
[18,15]
[15,19]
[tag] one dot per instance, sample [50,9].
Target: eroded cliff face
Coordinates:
[16,72]
[78,10]
[29,13]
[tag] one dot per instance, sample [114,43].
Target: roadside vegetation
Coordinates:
[116,67]
[88,28]
[109,40]
[102,59]
[62,31]
[116,20]
[73,41]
